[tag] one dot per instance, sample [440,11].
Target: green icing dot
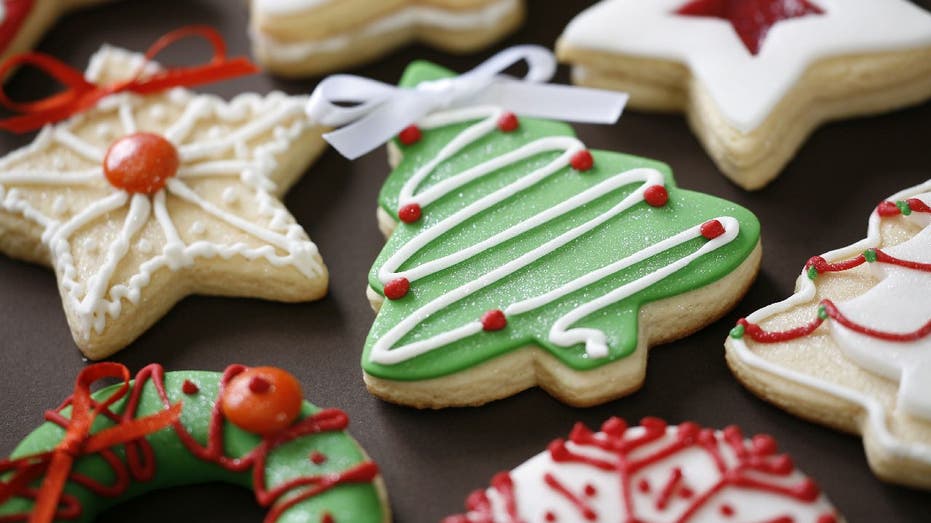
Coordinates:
[737,332]
[903,207]
[869,255]
[812,273]
[822,312]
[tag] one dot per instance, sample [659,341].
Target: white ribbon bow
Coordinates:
[369,112]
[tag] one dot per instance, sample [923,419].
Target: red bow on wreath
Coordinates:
[55,465]
[81,95]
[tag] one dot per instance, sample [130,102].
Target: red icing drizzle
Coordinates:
[751,19]
[16,13]
[140,458]
[747,471]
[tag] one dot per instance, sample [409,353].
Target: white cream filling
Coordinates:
[413,16]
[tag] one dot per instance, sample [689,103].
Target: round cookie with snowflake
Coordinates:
[652,472]
[147,197]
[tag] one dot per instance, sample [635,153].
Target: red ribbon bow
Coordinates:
[81,95]
[56,464]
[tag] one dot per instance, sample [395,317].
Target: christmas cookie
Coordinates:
[310,37]
[755,77]
[246,426]
[852,347]
[653,472]
[23,22]
[152,194]
[523,258]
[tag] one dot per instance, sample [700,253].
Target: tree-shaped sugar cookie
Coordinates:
[145,198]
[522,258]
[852,347]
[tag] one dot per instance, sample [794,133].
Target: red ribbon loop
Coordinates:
[56,464]
[80,95]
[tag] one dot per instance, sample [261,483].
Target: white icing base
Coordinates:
[744,87]
[408,17]
[876,412]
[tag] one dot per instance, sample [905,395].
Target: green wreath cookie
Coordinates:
[246,426]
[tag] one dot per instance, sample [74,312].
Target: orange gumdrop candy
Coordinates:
[141,163]
[262,400]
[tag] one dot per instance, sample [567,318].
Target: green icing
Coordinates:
[630,232]
[175,466]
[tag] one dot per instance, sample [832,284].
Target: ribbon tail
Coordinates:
[52,487]
[379,126]
[555,102]
[132,430]
[194,76]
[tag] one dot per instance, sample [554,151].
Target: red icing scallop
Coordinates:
[141,163]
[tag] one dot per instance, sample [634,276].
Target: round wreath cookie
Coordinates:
[518,257]
[246,426]
[652,473]
[852,347]
[755,77]
[311,37]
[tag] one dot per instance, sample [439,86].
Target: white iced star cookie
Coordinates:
[852,347]
[312,37]
[143,200]
[23,22]
[755,77]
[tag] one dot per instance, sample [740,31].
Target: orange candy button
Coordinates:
[141,163]
[262,400]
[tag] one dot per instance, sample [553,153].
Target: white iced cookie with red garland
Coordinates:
[755,77]
[23,22]
[656,473]
[852,347]
[311,37]
[145,198]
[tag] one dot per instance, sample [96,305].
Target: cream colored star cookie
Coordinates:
[852,347]
[143,200]
[312,37]
[755,77]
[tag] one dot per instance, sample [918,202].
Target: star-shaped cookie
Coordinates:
[143,200]
[312,37]
[755,77]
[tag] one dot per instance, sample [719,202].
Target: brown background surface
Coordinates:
[432,460]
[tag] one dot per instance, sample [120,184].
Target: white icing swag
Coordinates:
[380,111]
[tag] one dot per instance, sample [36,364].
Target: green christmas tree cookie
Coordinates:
[522,258]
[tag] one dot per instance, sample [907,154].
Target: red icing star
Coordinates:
[751,19]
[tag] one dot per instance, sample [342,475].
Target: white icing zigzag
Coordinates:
[96,298]
[876,412]
[561,334]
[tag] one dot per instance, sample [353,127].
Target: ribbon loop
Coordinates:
[80,95]
[368,113]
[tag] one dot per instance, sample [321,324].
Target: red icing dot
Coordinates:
[317,457]
[727,510]
[494,320]
[712,229]
[262,400]
[765,444]
[508,122]
[643,486]
[808,490]
[827,518]
[656,195]
[887,208]
[582,160]
[410,135]
[141,163]
[410,213]
[327,518]
[397,288]
[550,516]
[590,490]
[189,387]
